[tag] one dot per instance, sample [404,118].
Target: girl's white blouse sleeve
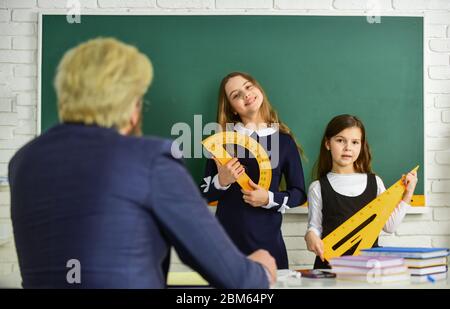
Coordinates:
[397,215]
[315,208]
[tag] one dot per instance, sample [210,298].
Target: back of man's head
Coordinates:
[100,81]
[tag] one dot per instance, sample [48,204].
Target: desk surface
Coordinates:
[193,279]
[307,283]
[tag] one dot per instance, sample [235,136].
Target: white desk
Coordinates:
[307,283]
[193,279]
[14,281]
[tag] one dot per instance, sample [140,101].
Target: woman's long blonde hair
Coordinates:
[225,113]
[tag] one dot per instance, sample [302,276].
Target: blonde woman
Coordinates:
[94,207]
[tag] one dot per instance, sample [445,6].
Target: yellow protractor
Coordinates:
[215,145]
[363,228]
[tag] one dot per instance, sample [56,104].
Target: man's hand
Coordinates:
[264,258]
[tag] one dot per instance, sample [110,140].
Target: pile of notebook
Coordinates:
[424,264]
[377,269]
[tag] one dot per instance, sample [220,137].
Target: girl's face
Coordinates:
[345,147]
[245,98]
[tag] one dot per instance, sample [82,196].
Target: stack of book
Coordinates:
[424,264]
[382,269]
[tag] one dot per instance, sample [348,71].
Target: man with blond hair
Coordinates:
[95,205]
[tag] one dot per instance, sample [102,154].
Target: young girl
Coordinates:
[345,184]
[252,219]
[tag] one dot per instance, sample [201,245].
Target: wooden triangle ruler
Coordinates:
[363,228]
[215,145]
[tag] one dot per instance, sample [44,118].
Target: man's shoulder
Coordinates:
[63,139]
[147,141]
[148,144]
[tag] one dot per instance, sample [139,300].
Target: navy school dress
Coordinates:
[337,208]
[253,228]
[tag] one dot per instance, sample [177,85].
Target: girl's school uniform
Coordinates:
[249,227]
[334,198]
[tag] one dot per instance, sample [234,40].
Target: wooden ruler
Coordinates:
[215,144]
[363,228]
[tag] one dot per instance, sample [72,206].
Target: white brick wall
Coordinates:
[442,101]
[5,15]
[5,105]
[421,4]
[440,186]
[185,4]
[16,56]
[436,72]
[438,199]
[440,45]
[446,117]
[433,58]
[126,4]
[406,241]
[25,70]
[58,4]
[5,42]
[384,5]
[435,31]
[244,4]
[24,15]
[18,72]
[303,4]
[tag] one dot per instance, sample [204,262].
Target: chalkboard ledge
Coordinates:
[412,210]
[304,210]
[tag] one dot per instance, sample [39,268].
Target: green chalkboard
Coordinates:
[311,67]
